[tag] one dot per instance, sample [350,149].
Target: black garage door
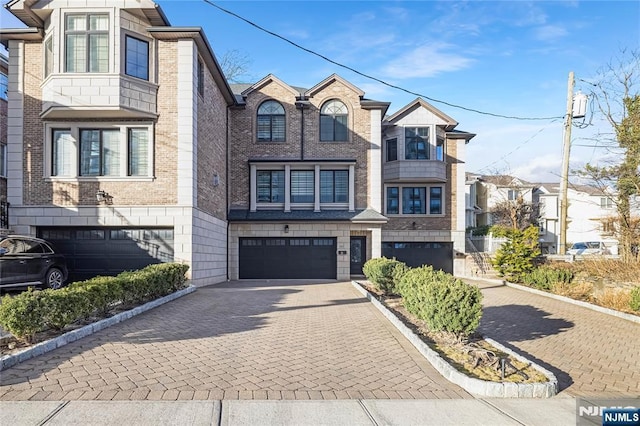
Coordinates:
[288,258]
[109,251]
[438,255]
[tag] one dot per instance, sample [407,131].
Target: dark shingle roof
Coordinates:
[244,215]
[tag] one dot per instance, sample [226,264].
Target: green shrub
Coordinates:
[23,315]
[517,256]
[64,306]
[27,313]
[444,302]
[634,302]
[400,269]
[545,277]
[380,271]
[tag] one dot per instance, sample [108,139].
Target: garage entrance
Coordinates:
[414,254]
[109,251]
[264,258]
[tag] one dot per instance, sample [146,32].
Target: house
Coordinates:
[590,215]
[117,127]
[128,146]
[495,190]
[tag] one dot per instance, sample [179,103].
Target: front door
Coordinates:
[358,254]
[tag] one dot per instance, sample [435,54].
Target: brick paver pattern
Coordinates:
[239,340]
[591,353]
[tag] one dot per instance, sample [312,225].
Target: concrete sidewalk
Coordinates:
[547,412]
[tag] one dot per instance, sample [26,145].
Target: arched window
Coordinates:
[333,121]
[271,122]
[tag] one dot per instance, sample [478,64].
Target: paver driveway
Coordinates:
[591,353]
[239,340]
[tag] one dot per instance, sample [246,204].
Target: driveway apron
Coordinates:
[239,340]
[591,353]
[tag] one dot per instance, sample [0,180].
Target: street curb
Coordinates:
[601,309]
[470,384]
[8,361]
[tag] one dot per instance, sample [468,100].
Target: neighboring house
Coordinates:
[129,147]
[493,190]
[590,216]
[118,134]
[471,200]
[4,209]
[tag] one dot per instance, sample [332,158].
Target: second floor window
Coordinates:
[48,57]
[87,43]
[334,186]
[99,152]
[513,194]
[270,186]
[271,122]
[334,117]
[409,200]
[137,58]
[61,164]
[4,86]
[416,143]
[606,203]
[392,149]
[200,77]
[302,186]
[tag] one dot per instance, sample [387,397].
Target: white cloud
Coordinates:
[426,61]
[544,168]
[550,32]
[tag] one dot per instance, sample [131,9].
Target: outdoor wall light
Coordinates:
[103,196]
[216,180]
[413,225]
[286,229]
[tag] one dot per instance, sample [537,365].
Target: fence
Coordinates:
[487,243]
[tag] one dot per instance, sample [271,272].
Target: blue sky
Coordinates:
[503,57]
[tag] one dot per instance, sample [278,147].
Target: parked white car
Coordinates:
[585,248]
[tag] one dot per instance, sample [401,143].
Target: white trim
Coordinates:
[375,161]
[15,128]
[186,122]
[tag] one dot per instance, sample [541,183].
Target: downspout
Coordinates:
[301,104]
[226,171]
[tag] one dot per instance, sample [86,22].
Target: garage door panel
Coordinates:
[283,258]
[109,251]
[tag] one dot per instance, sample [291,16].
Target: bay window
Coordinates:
[416,143]
[87,43]
[136,58]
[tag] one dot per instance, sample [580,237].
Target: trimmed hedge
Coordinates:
[382,273]
[444,302]
[544,277]
[30,312]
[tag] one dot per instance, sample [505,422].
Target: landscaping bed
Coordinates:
[474,357]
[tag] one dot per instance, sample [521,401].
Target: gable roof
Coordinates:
[270,78]
[506,181]
[327,81]
[417,103]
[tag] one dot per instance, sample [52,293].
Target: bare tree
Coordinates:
[515,214]
[235,66]
[617,97]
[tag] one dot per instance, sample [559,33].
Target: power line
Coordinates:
[253,24]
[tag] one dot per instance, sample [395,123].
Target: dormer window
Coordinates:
[87,43]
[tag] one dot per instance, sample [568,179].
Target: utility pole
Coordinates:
[564,180]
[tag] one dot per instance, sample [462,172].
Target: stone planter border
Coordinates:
[43,347]
[470,384]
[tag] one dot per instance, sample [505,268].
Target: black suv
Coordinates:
[27,261]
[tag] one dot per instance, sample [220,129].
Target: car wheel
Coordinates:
[53,279]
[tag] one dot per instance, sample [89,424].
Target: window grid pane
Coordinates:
[138,152]
[333,122]
[110,152]
[302,186]
[413,200]
[435,200]
[392,200]
[392,149]
[416,143]
[62,145]
[137,56]
[270,186]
